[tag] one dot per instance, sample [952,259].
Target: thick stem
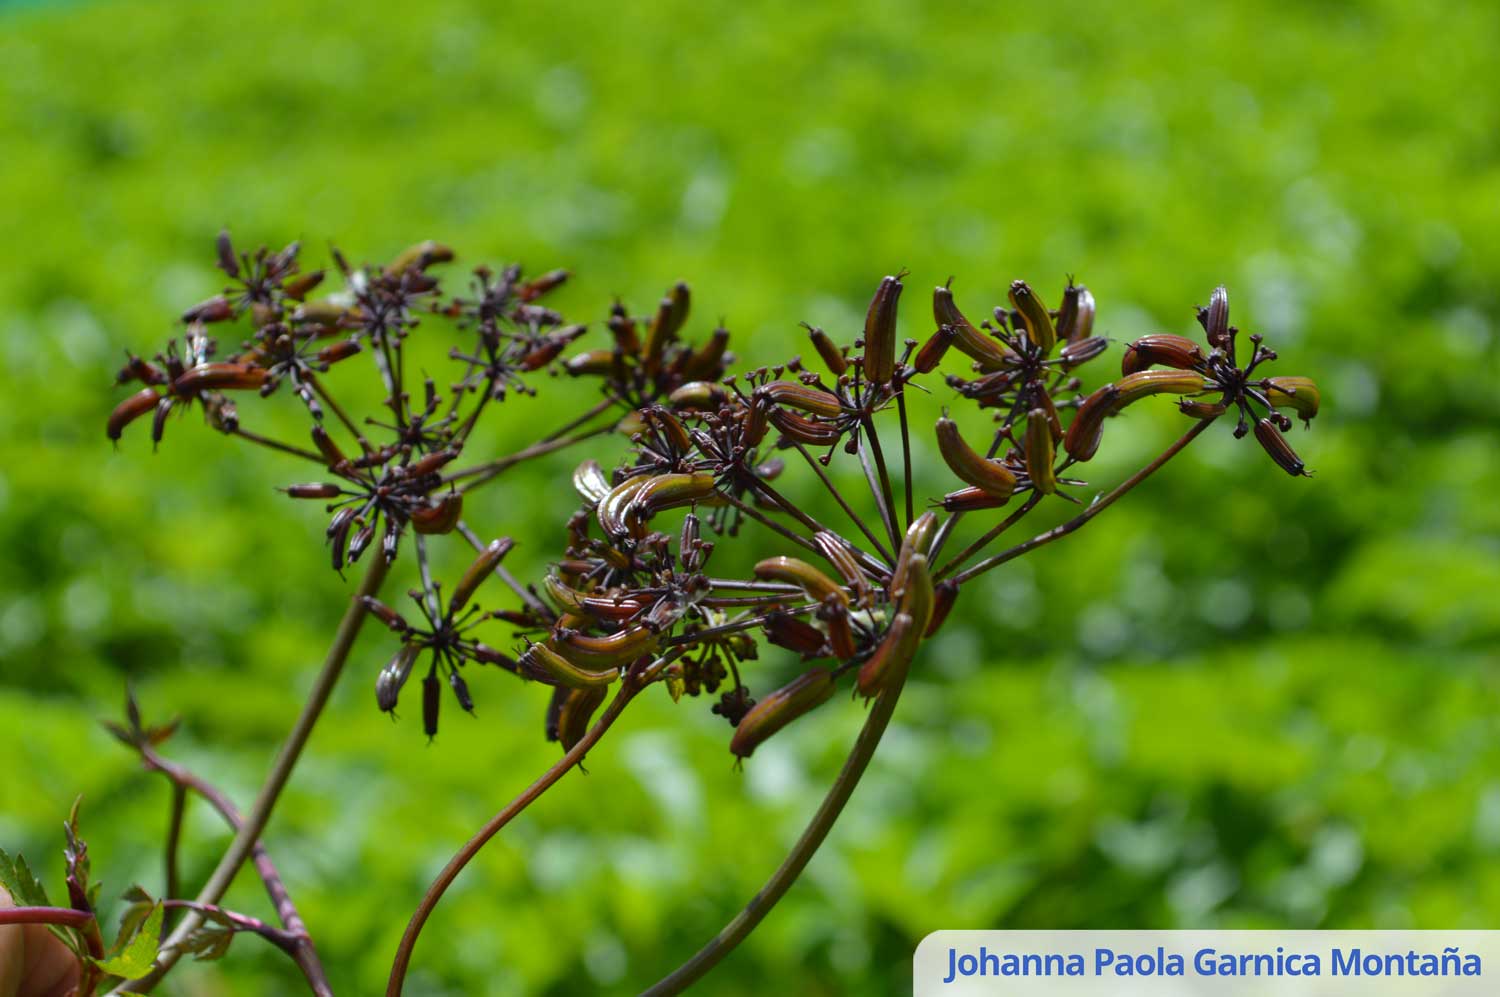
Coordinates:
[46,915]
[802,852]
[260,812]
[628,688]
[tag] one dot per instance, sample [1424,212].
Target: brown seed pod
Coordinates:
[771,714]
[801,396]
[892,656]
[1084,434]
[431,463]
[538,286]
[393,676]
[945,593]
[932,352]
[622,328]
[220,377]
[129,410]
[835,616]
[431,699]
[461,691]
[670,316]
[323,313]
[800,429]
[837,552]
[698,395]
[1161,348]
[971,499]
[488,560]
[833,357]
[1040,453]
[612,508]
[1215,319]
[1281,451]
[1035,316]
[225,251]
[1145,383]
[574,709]
[385,614]
[313,490]
[342,350]
[441,517]
[593,362]
[299,287]
[708,362]
[817,585]
[420,257]
[1075,319]
[215,309]
[990,353]
[1081,351]
[1201,410]
[1054,423]
[666,491]
[332,455]
[1297,393]
[880,332]
[612,651]
[796,634]
[970,465]
[546,665]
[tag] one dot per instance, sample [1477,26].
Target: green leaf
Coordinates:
[209,942]
[16,877]
[139,905]
[134,960]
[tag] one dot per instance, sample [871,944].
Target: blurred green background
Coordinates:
[1237,700]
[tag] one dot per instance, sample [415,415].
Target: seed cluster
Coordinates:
[633,598]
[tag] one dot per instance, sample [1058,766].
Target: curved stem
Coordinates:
[802,852]
[260,812]
[629,687]
[46,915]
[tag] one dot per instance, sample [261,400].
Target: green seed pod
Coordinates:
[612,508]
[1145,383]
[1034,314]
[1297,393]
[488,560]
[880,332]
[817,585]
[892,656]
[612,651]
[546,665]
[1040,453]
[593,362]
[698,395]
[990,353]
[970,465]
[780,708]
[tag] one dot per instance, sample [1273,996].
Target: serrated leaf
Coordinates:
[209,942]
[135,959]
[138,907]
[158,735]
[16,877]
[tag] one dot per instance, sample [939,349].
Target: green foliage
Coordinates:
[135,953]
[1246,701]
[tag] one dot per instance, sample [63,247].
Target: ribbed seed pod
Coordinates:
[666,491]
[801,429]
[817,585]
[546,665]
[612,651]
[796,634]
[1081,351]
[431,699]
[488,560]
[670,316]
[613,506]
[775,711]
[801,396]
[1034,314]
[698,395]
[220,377]
[990,353]
[332,455]
[1201,410]
[461,691]
[1054,423]
[129,410]
[393,676]
[590,483]
[835,617]
[932,352]
[971,499]
[1145,383]
[833,548]
[833,357]
[970,465]
[1040,453]
[1084,434]
[945,593]
[1297,393]
[441,517]
[892,656]
[917,541]
[915,595]
[709,361]
[420,256]
[1161,348]
[1075,319]
[880,332]
[1215,318]
[1281,451]
[575,708]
